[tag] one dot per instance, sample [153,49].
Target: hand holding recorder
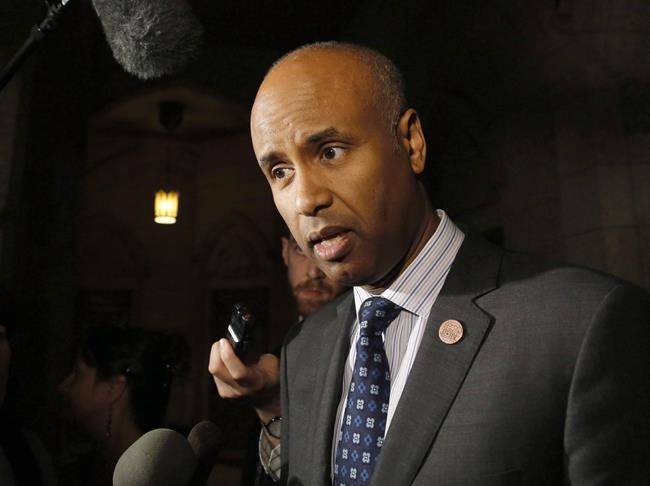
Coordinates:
[255,380]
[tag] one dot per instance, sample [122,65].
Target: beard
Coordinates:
[311,295]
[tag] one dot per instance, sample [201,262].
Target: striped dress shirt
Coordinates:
[415,290]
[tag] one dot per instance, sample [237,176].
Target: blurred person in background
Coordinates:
[310,287]
[118,389]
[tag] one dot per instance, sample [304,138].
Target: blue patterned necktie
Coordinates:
[366,409]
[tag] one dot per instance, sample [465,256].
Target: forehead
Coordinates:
[304,96]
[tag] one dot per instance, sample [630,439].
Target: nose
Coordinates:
[312,193]
[313,272]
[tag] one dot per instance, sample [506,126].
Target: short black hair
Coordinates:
[147,359]
[389,93]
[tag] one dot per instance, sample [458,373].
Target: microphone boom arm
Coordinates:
[37,34]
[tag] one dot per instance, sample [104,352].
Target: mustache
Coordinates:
[312,284]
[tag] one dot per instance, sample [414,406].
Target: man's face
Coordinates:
[348,195]
[311,288]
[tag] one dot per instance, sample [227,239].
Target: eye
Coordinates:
[297,249]
[331,153]
[280,172]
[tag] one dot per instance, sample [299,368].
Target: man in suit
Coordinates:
[451,361]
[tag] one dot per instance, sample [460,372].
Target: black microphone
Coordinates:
[161,457]
[150,38]
[37,34]
[205,440]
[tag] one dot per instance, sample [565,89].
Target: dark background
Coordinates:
[537,117]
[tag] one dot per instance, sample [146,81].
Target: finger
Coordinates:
[219,353]
[218,369]
[227,387]
[231,389]
[226,390]
[216,366]
[233,364]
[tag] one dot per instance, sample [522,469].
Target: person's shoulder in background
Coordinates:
[313,324]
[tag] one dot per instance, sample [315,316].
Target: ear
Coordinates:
[116,388]
[411,138]
[285,250]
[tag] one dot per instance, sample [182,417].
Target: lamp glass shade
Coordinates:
[166,207]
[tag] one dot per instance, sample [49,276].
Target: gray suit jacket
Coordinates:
[549,384]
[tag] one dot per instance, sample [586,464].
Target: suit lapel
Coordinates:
[439,369]
[334,349]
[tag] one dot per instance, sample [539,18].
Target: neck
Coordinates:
[426,229]
[124,432]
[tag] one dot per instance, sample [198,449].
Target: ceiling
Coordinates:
[274,24]
[205,113]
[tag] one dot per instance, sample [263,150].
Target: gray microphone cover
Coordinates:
[160,457]
[205,440]
[150,38]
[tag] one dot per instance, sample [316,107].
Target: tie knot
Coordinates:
[375,314]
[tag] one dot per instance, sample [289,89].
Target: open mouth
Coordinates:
[331,243]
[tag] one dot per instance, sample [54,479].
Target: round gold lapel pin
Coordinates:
[450,331]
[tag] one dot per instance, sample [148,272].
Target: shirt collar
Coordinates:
[431,264]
